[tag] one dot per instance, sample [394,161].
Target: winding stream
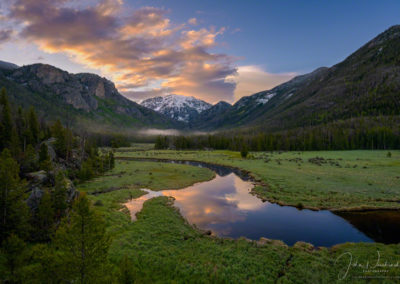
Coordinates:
[225,206]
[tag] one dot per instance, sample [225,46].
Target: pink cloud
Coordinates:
[134,49]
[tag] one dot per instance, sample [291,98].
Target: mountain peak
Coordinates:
[392,33]
[182,108]
[223,103]
[8,65]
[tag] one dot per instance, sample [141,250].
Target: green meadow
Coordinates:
[335,180]
[163,247]
[151,175]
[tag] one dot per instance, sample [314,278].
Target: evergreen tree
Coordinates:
[44,158]
[87,170]
[33,126]
[6,120]
[44,265]
[44,219]
[15,146]
[60,196]
[83,243]
[244,152]
[13,249]
[60,145]
[29,160]
[14,213]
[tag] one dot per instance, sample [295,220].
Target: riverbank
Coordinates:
[155,176]
[333,180]
[163,247]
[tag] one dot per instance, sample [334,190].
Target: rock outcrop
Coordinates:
[85,101]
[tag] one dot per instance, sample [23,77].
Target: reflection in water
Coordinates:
[383,227]
[225,206]
[219,201]
[135,205]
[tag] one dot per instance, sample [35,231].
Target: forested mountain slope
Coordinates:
[84,100]
[367,83]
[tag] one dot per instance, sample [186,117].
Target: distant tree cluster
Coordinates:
[382,132]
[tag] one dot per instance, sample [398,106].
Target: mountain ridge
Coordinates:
[366,83]
[86,100]
[178,107]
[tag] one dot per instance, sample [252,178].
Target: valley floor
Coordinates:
[163,247]
[334,180]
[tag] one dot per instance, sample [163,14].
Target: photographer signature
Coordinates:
[377,266]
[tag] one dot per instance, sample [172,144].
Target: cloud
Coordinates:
[139,96]
[193,21]
[198,75]
[5,35]
[135,48]
[251,79]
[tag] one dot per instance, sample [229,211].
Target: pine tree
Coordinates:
[20,122]
[83,243]
[44,219]
[44,158]
[244,152]
[14,213]
[29,160]
[15,146]
[60,196]
[13,249]
[87,170]
[6,121]
[33,126]
[60,145]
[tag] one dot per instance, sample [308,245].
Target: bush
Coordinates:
[244,152]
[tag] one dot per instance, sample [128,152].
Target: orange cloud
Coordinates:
[252,79]
[135,50]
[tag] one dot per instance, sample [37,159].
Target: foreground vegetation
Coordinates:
[336,180]
[162,247]
[39,164]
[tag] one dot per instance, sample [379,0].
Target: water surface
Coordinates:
[225,206]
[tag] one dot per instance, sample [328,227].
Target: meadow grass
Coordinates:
[335,180]
[163,247]
[151,175]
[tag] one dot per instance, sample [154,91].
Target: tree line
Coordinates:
[382,132]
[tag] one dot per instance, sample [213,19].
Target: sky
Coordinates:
[210,49]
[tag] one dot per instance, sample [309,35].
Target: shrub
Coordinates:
[244,152]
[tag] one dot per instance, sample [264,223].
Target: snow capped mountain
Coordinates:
[178,107]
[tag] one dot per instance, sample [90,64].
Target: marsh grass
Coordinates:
[336,180]
[155,176]
[162,247]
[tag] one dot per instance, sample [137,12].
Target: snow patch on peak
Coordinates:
[178,107]
[265,98]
